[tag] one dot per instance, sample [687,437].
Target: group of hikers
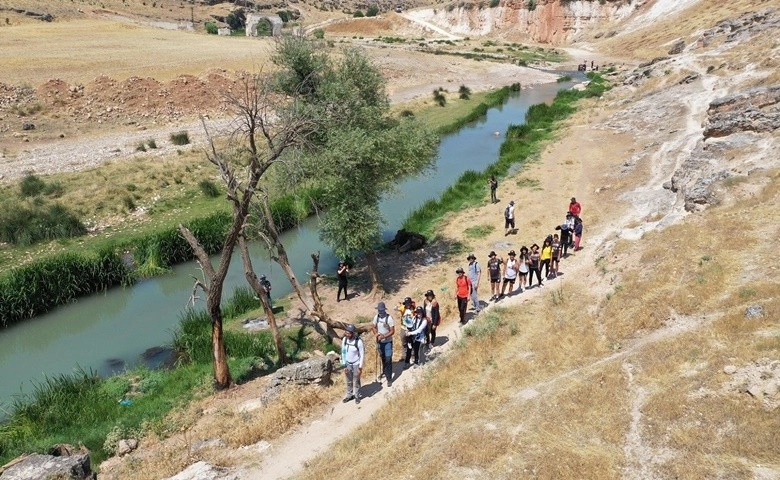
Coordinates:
[420,322]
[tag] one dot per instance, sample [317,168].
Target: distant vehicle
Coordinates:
[398,8]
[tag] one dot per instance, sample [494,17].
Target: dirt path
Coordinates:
[428,25]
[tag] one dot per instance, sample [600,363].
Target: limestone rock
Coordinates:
[36,467]
[757,110]
[315,370]
[754,311]
[204,471]
[756,390]
[125,446]
[677,48]
[730,369]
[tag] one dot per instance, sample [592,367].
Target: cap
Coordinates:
[512,253]
[459,270]
[381,306]
[430,293]
[492,254]
[262,277]
[351,328]
[511,202]
[407,300]
[471,256]
[573,199]
[419,310]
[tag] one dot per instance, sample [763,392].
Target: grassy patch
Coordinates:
[479,231]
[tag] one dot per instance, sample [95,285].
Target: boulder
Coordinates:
[405,241]
[204,471]
[315,370]
[36,467]
[125,446]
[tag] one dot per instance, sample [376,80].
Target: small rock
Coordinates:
[28,126]
[730,369]
[754,311]
[125,446]
[208,443]
[678,47]
[756,390]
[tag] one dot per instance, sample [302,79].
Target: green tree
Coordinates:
[372,10]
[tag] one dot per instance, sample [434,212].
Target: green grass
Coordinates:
[84,408]
[479,231]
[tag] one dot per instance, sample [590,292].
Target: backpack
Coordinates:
[506,212]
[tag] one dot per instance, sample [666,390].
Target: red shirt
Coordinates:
[575,208]
[463,286]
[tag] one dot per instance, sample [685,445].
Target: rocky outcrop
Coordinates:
[315,370]
[545,21]
[36,467]
[756,110]
[741,28]
[204,471]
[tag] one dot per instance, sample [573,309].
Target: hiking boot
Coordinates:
[357,400]
[407,365]
[389,383]
[348,398]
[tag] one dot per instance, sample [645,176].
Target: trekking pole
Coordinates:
[376,363]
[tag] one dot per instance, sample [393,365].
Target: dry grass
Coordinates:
[41,51]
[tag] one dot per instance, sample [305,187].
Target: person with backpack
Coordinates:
[475,275]
[383,329]
[432,313]
[462,293]
[509,218]
[577,233]
[493,187]
[265,284]
[415,336]
[556,255]
[494,270]
[511,268]
[353,356]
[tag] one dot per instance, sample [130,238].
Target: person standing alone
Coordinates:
[341,272]
[475,274]
[353,356]
[462,292]
[509,218]
[493,187]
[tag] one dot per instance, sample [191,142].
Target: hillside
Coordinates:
[655,355]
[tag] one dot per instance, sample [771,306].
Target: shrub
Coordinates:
[494,3]
[236,19]
[531,5]
[358,14]
[180,138]
[319,33]
[31,186]
[151,143]
[565,78]
[209,188]
[372,11]
[211,28]
[439,97]
[407,113]
[284,15]
[21,225]
[464,92]
[141,147]
[129,203]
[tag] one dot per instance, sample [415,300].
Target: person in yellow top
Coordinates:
[546,256]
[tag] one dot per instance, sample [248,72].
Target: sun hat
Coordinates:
[459,270]
[492,254]
[351,328]
[430,293]
[471,255]
[381,307]
[512,253]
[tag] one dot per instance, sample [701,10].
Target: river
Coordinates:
[109,331]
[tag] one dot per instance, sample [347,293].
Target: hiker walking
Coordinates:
[577,233]
[574,207]
[493,187]
[341,273]
[415,337]
[431,306]
[383,328]
[407,308]
[534,266]
[475,275]
[494,270]
[511,268]
[353,356]
[509,218]
[546,257]
[462,292]
[556,255]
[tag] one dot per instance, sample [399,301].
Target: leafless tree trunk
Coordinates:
[254,282]
[377,290]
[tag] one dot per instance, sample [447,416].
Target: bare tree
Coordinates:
[265,129]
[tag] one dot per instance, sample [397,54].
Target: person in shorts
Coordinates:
[511,268]
[509,218]
[522,270]
[494,270]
